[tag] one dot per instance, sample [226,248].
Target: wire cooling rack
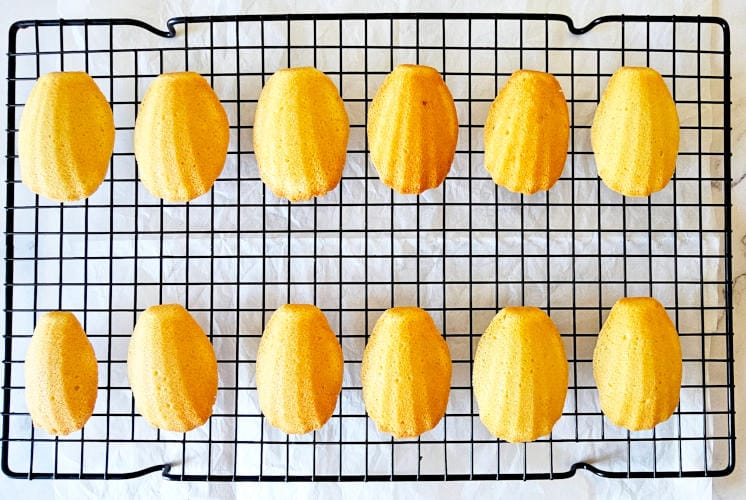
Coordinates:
[461,251]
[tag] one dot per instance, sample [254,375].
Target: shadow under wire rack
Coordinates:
[461,251]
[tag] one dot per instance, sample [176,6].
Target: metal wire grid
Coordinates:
[461,251]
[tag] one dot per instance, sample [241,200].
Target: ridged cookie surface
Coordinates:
[637,364]
[406,373]
[172,369]
[412,129]
[298,369]
[526,133]
[300,134]
[61,374]
[520,374]
[181,137]
[66,137]
[635,132]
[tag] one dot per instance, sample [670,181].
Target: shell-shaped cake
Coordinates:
[637,364]
[635,132]
[301,130]
[61,374]
[181,137]
[526,133]
[520,374]
[66,137]
[172,369]
[412,129]
[406,373]
[298,369]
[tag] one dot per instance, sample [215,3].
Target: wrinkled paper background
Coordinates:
[511,459]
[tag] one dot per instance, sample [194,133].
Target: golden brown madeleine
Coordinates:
[298,369]
[300,134]
[412,129]
[526,133]
[520,374]
[635,132]
[66,137]
[637,364]
[406,373]
[61,374]
[172,369]
[181,137]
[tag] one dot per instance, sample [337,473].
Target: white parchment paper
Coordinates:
[449,238]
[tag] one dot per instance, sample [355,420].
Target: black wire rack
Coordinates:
[461,251]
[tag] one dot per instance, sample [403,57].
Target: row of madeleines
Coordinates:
[301,131]
[520,372]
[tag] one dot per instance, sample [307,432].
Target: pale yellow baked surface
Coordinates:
[300,134]
[526,133]
[298,369]
[61,374]
[637,364]
[412,129]
[520,374]
[635,132]
[66,137]
[181,137]
[406,373]
[172,369]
